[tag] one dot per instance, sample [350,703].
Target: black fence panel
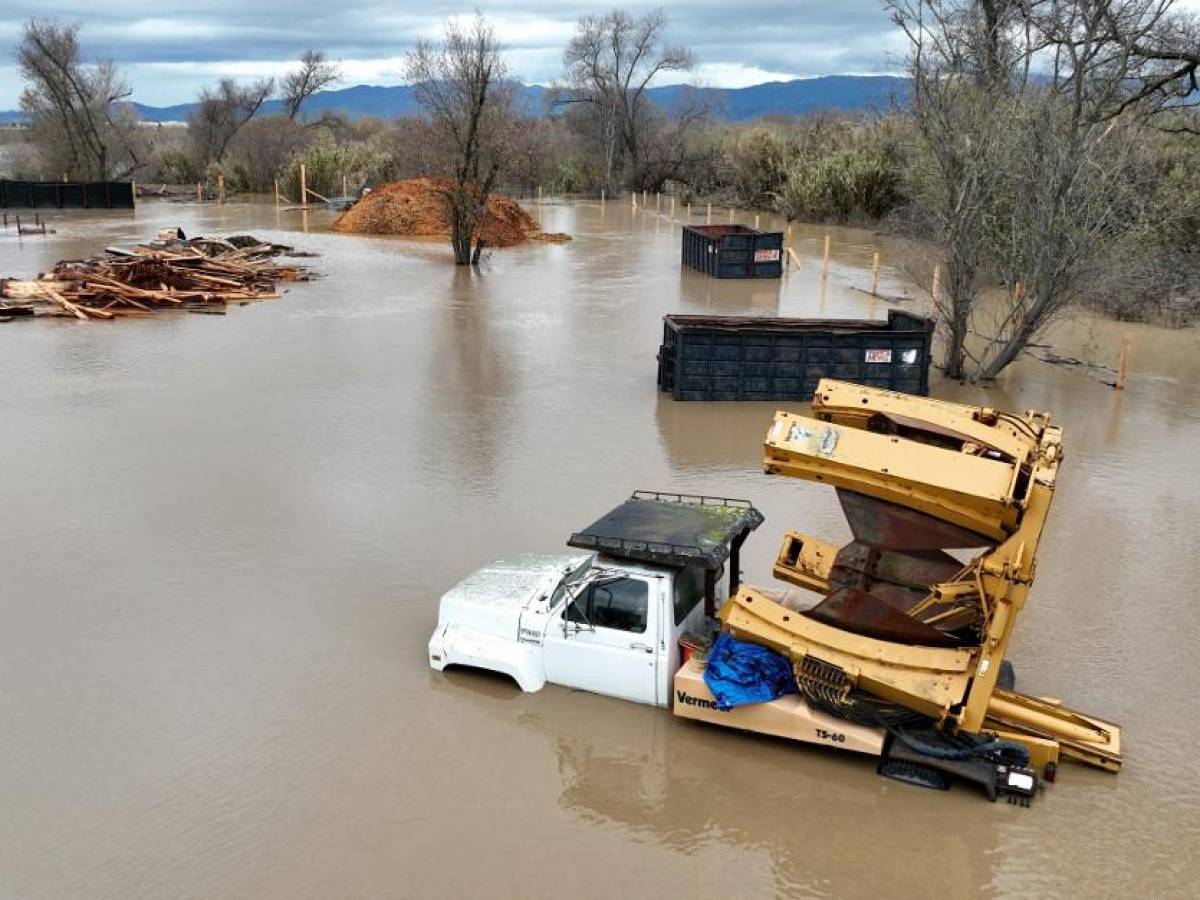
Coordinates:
[66,194]
[740,358]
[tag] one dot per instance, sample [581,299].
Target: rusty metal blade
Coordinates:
[890,526]
[870,616]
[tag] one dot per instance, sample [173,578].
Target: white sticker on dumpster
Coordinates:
[766,256]
[879,356]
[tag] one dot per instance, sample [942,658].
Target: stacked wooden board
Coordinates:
[196,275]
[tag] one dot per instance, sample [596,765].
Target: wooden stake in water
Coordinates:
[689,211]
[220,188]
[708,216]
[756,221]
[875,275]
[657,201]
[633,199]
[539,193]
[672,207]
[601,196]
[1123,365]
[303,186]
[345,187]
[276,191]
[731,215]
[199,193]
[825,261]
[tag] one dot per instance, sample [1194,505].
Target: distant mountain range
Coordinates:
[789,98]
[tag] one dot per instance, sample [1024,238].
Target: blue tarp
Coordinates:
[739,673]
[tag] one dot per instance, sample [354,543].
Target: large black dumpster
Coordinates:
[740,358]
[733,251]
[65,195]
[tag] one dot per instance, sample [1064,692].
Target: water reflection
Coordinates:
[799,817]
[226,536]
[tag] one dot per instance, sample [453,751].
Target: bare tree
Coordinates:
[316,73]
[959,100]
[1148,53]
[1033,181]
[610,63]
[75,108]
[461,88]
[221,113]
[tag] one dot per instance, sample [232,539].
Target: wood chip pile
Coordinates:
[196,275]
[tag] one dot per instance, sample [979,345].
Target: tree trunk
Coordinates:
[956,339]
[960,296]
[460,236]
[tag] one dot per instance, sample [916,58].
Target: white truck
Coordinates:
[614,619]
[611,619]
[608,619]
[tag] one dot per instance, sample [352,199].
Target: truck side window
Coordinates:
[621,604]
[689,590]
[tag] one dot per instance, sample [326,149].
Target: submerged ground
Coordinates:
[224,539]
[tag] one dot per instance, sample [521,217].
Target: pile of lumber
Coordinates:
[196,275]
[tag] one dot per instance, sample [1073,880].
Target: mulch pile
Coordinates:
[196,275]
[417,208]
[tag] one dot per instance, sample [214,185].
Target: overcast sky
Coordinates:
[169,49]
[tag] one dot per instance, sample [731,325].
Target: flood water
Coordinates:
[224,538]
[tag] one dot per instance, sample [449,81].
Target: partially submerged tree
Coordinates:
[1030,176]
[221,113]
[316,72]
[611,62]
[75,108]
[469,106]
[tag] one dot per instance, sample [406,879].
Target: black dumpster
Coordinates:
[733,251]
[740,358]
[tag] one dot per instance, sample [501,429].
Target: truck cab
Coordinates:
[610,617]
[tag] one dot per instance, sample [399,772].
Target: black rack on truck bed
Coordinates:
[674,530]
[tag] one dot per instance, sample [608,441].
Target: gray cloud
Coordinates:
[170,48]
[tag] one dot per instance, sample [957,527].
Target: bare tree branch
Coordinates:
[316,73]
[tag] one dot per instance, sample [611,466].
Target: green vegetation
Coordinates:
[1051,147]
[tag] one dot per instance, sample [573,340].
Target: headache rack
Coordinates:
[673,529]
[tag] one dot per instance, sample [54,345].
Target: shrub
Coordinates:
[363,164]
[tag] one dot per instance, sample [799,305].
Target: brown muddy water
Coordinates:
[224,539]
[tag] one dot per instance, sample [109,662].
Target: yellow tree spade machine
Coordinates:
[908,637]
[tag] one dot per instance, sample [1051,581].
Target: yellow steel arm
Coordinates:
[991,477]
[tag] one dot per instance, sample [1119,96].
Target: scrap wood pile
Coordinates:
[196,275]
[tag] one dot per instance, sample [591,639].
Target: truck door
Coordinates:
[607,640]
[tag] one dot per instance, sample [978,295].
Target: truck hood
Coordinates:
[491,600]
